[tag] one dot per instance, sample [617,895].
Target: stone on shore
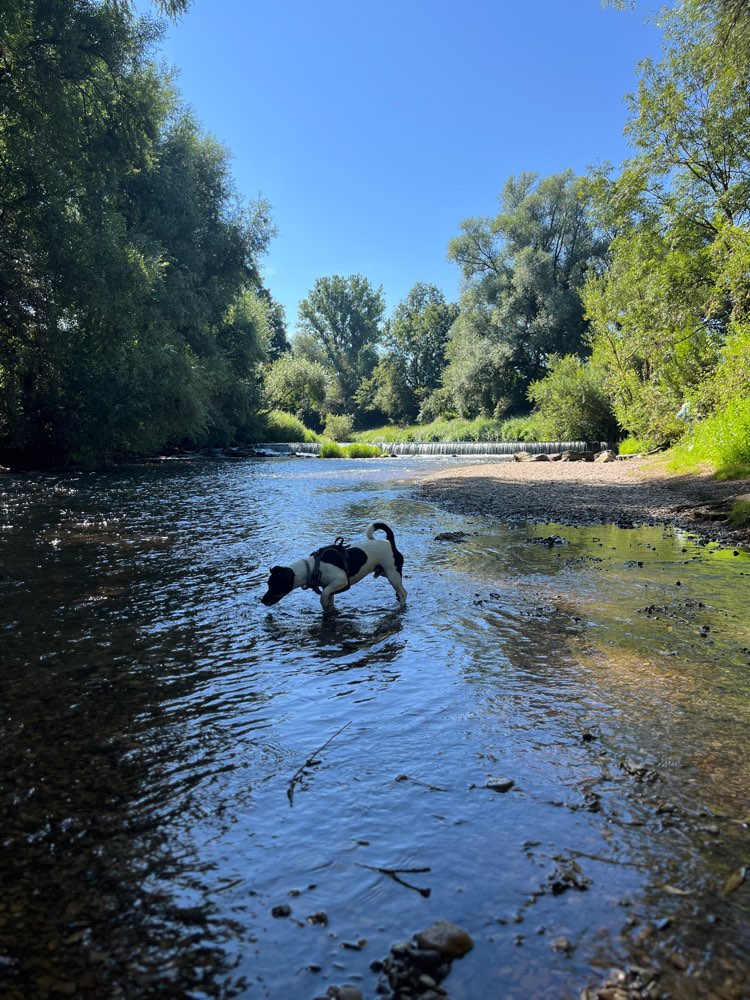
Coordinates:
[606,456]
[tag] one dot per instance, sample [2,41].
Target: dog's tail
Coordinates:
[382,526]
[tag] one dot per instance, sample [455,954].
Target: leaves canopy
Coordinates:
[343,316]
[130,316]
[522,272]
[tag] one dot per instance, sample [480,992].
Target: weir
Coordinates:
[448,447]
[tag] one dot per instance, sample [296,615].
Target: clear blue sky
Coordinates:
[374,127]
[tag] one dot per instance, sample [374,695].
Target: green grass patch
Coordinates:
[359,450]
[331,449]
[458,429]
[276,426]
[739,515]
[634,446]
[721,443]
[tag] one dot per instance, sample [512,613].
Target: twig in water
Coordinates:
[395,874]
[311,762]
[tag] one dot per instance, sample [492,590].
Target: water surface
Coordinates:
[156,716]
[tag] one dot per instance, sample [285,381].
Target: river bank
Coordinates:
[636,491]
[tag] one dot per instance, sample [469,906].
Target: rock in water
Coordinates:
[445,937]
[500,784]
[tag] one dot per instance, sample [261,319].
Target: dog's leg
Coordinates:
[327,595]
[394,578]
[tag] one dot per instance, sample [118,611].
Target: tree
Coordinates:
[665,312]
[297,385]
[129,318]
[414,340]
[343,316]
[522,273]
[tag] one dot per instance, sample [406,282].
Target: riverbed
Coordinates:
[202,797]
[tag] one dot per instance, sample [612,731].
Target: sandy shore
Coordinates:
[636,491]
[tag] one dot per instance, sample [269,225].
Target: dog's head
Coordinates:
[280,583]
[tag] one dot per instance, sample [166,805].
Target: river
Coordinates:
[202,797]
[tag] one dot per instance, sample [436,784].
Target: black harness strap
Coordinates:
[313,575]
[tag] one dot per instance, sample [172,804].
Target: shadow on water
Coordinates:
[155,716]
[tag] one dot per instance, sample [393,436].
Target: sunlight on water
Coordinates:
[178,760]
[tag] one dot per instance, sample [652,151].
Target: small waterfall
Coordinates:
[448,447]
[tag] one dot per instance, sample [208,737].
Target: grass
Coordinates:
[331,449]
[634,446]
[720,443]
[739,515]
[280,426]
[457,429]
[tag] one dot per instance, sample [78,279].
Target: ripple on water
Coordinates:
[157,715]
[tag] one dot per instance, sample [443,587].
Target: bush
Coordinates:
[458,429]
[634,446]
[572,402]
[276,425]
[329,449]
[339,426]
[721,442]
[363,451]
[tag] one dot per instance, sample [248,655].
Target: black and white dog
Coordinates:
[336,567]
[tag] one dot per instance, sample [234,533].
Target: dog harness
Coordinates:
[313,573]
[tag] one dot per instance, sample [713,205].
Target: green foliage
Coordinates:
[295,384]
[342,317]
[275,426]
[523,271]
[739,515]
[669,314]
[479,429]
[438,404]
[363,451]
[339,426]
[330,449]
[634,446]
[721,442]
[415,340]
[572,403]
[129,311]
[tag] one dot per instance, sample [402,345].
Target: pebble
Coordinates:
[283,910]
[564,945]
[346,992]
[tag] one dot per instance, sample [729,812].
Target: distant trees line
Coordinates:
[134,316]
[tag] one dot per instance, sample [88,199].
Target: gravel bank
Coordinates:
[636,490]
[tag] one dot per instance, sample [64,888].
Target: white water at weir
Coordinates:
[449,447]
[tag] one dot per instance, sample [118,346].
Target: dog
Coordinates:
[334,568]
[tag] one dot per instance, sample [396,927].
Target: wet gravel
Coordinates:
[634,491]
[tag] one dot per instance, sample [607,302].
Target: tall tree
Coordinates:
[344,316]
[522,271]
[128,265]
[668,308]
[414,340]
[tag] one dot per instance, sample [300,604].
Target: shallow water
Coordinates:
[156,717]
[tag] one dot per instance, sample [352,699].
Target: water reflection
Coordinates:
[154,714]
